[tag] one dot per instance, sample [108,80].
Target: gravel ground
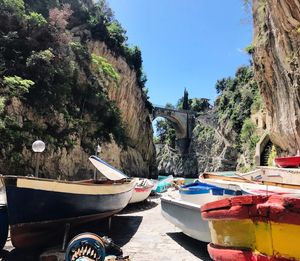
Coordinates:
[141,232]
[154,238]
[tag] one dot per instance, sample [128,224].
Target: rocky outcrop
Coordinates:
[276,60]
[214,152]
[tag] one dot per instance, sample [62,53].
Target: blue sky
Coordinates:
[186,43]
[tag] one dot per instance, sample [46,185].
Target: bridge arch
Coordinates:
[180,119]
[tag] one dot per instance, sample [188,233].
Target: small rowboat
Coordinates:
[257,228]
[141,191]
[288,162]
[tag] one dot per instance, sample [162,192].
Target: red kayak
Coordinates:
[290,161]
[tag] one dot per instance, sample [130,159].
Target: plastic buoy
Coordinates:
[3,225]
[87,247]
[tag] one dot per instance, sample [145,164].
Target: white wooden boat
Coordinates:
[142,190]
[182,208]
[186,216]
[285,177]
[248,186]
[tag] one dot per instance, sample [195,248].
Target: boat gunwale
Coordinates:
[58,186]
[88,182]
[209,176]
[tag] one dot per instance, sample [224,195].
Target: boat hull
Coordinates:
[142,190]
[164,184]
[285,162]
[186,216]
[36,205]
[140,194]
[48,233]
[258,226]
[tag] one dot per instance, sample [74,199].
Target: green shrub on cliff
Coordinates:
[15,7]
[16,86]
[117,33]
[257,102]
[199,104]
[248,136]
[272,156]
[2,104]
[237,95]
[203,133]
[103,67]
[40,58]
[35,19]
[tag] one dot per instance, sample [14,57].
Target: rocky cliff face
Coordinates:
[139,158]
[277,59]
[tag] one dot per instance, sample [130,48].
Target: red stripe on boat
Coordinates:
[141,189]
[229,254]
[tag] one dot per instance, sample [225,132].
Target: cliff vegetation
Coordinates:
[54,87]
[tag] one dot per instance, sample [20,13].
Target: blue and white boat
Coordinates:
[201,193]
[164,184]
[182,208]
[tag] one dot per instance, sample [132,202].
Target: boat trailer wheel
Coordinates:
[86,247]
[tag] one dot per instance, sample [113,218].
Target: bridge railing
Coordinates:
[173,109]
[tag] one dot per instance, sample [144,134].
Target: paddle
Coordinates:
[107,170]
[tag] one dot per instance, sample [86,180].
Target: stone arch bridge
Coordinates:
[182,120]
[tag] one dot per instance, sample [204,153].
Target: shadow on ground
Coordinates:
[16,255]
[140,206]
[197,248]
[122,230]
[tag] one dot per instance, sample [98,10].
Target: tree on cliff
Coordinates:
[185,103]
[199,104]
